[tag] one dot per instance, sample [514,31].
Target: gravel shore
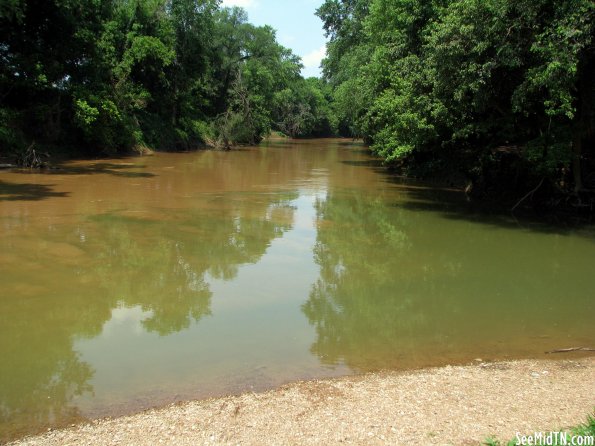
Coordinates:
[460,405]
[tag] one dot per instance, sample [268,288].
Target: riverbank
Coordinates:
[460,405]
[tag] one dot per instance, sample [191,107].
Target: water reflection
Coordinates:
[63,284]
[407,289]
[160,263]
[40,373]
[27,191]
[131,283]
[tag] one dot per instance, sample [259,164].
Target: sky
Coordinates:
[297,27]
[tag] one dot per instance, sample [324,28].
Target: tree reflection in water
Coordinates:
[159,262]
[401,288]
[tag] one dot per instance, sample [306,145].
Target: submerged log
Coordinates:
[572,349]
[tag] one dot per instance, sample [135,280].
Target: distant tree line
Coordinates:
[501,91]
[108,76]
[497,93]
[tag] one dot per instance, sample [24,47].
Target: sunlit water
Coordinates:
[136,282]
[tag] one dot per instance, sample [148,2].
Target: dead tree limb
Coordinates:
[528,195]
[572,349]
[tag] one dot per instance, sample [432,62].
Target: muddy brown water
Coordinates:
[130,283]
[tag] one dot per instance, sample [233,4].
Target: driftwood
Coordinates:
[31,158]
[573,349]
[530,193]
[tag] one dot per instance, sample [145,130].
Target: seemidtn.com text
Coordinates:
[554,438]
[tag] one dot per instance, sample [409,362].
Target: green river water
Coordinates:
[136,282]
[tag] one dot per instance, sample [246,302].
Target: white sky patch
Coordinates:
[313,59]
[240,3]
[286,39]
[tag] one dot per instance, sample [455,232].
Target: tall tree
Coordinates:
[477,85]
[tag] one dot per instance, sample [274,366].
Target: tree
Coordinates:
[107,76]
[451,83]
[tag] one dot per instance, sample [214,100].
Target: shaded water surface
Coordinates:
[136,282]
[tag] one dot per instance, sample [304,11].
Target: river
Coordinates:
[135,282]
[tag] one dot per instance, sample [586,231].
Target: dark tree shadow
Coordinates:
[126,170]
[356,146]
[375,164]
[356,143]
[282,143]
[453,203]
[28,192]
[119,170]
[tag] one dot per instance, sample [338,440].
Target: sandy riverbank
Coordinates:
[450,405]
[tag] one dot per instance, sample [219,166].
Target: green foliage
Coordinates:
[464,77]
[85,115]
[11,137]
[104,76]
[304,109]
[587,428]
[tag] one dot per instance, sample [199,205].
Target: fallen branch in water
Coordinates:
[572,349]
[31,158]
[528,195]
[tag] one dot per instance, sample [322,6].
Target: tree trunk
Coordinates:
[583,120]
[577,146]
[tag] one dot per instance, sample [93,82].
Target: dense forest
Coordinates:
[495,94]
[106,76]
[498,91]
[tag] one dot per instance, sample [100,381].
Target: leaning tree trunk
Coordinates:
[577,148]
[583,124]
